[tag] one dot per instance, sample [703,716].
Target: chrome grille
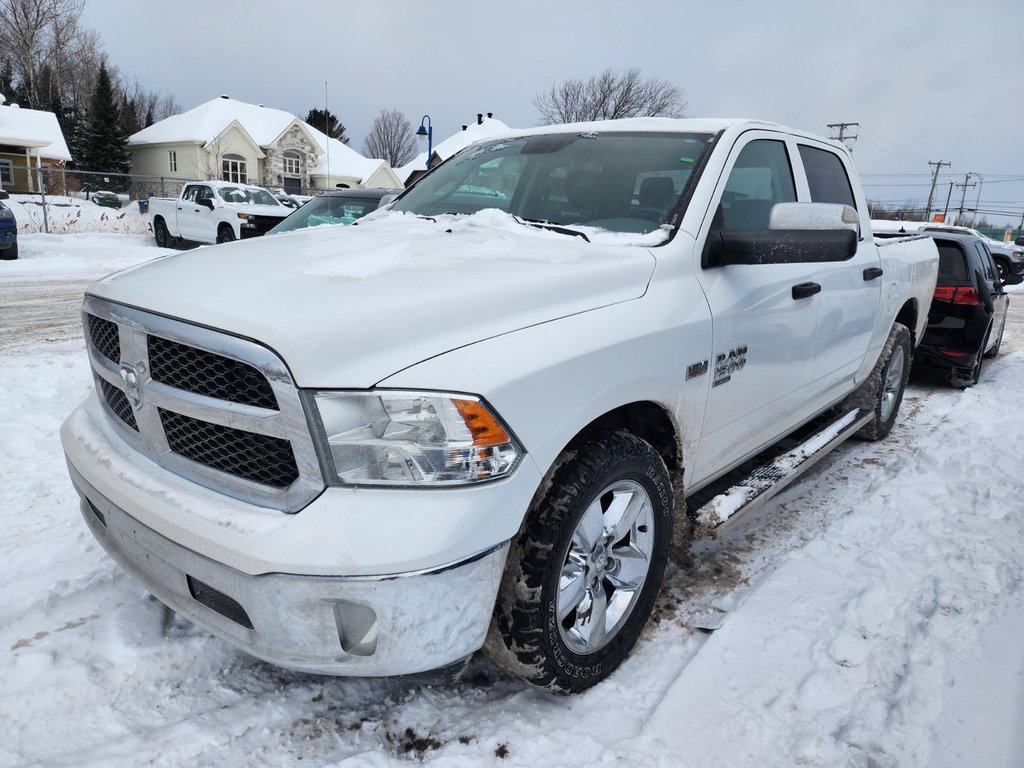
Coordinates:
[118,402]
[104,337]
[214,408]
[262,459]
[202,372]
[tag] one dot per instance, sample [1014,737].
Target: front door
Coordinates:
[763,333]
[292,185]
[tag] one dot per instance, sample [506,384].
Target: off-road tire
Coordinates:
[525,638]
[225,234]
[872,394]
[9,254]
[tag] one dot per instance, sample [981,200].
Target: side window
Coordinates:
[986,260]
[826,177]
[204,193]
[760,178]
[190,193]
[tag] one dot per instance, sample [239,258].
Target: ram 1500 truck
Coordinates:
[476,418]
[214,212]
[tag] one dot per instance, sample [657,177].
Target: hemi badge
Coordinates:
[697,369]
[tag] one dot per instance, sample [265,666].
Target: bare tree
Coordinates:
[391,138]
[27,28]
[608,96]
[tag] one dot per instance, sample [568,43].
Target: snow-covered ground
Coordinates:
[874,613]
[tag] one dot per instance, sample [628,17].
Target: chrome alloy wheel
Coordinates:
[893,382]
[605,567]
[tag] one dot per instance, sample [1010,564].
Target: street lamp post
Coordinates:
[426,131]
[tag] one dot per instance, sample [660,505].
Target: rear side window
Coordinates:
[986,260]
[826,177]
[952,267]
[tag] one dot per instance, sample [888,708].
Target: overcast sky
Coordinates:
[926,80]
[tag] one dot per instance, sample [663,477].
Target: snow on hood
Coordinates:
[350,306]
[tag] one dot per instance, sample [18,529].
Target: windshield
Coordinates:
[621,182]
[248,195]
[327,209]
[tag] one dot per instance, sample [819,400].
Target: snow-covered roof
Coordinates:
[264,125]
[35,129]
[487,128]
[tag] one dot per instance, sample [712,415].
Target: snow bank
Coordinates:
[65,214]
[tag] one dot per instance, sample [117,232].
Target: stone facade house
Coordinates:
[249,143]
[30,139]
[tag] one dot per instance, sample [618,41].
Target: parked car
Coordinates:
[1009,257]
[214,212]
[8,231]
[479,417]
[341,206]
[968,311]
[106,199]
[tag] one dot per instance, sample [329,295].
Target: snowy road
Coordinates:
[874,612]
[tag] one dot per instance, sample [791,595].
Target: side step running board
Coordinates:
[768,480]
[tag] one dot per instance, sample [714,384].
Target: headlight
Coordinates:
[415,438]
[248,219]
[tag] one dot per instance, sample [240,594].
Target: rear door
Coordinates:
[851,290]
[990,277]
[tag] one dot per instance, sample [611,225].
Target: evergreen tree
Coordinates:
[327,122]
[104,142]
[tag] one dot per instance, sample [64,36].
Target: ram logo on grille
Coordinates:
[132,387]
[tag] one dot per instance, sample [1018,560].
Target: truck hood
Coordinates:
[279,211]
[348,306]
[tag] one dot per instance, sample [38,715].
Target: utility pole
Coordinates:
[977,200]
[945,214]
[965,185]
[931,192]
[842,137]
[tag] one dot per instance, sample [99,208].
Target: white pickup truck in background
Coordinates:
[481,417]
[214,212]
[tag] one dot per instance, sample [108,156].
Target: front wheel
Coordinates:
[225,234]
[882,393]
[584,572]
[10,254]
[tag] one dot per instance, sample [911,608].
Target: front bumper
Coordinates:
[8,237]
[351,626]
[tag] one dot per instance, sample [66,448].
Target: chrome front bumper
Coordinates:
[350,626]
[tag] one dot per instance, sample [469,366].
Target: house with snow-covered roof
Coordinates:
[29,139]
[235,141]
[485,127]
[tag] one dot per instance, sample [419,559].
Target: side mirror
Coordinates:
[388,198]
[1012,279]
[797,232]
[206,203]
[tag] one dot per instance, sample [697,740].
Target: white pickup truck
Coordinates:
[214,212]
[480,417]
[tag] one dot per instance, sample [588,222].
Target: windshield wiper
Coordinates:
[550,227]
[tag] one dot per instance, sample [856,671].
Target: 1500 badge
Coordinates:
[728,363]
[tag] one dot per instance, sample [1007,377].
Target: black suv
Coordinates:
[968,312]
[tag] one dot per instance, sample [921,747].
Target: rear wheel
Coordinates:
[225,234]
[994,352]
[160,234]
[583,574]
[882,393]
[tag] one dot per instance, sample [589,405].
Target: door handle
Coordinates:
[180,208]
[803,290]
[872,272]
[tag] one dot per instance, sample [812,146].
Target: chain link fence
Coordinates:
[61,201]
